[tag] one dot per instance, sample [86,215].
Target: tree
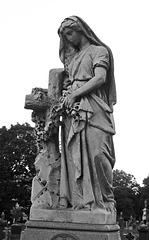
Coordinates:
[127,194]
[17,154]
[123,179]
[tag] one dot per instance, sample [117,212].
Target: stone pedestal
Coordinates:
[71,225]
[37,230]
[143,232]
[97,216]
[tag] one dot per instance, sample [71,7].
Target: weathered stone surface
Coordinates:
[97,216]
[37,100]
[72,195]
[55,84]
[37,230]
[45,185]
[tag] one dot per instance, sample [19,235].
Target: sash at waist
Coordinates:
[79,80]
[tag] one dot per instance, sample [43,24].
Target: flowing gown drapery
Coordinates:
[87,145]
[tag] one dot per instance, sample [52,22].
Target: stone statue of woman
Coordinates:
[88,126]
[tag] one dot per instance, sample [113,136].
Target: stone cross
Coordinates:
[43,102]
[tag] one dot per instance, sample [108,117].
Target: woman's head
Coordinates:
[79,25]
[77,28]
[70,22]
[72,36]
[70,32]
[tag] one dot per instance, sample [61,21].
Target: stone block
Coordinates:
[16,230]
[37,230]
[97,216]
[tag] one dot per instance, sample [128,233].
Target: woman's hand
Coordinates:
[70,100]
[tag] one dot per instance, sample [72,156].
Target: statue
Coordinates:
[84,98]
[17,213]
[145,216]
[87,147]
[74,130]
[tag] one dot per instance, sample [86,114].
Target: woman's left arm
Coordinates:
[91,85]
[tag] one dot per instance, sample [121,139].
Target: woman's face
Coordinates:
[72,36]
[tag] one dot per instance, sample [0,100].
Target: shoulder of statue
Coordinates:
[98,50]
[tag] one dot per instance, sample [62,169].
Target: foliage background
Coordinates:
[17,154]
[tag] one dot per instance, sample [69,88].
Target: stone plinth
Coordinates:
[71,225]
[97,216]
[37,230]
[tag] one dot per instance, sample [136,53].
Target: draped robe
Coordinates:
[87,145]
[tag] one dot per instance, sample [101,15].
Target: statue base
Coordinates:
[37,230]
[47,224]
[96,216]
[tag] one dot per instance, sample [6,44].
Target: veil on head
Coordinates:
[79,24]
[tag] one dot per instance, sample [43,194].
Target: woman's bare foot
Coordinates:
[63,203]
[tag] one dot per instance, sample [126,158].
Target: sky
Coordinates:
[29,48]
